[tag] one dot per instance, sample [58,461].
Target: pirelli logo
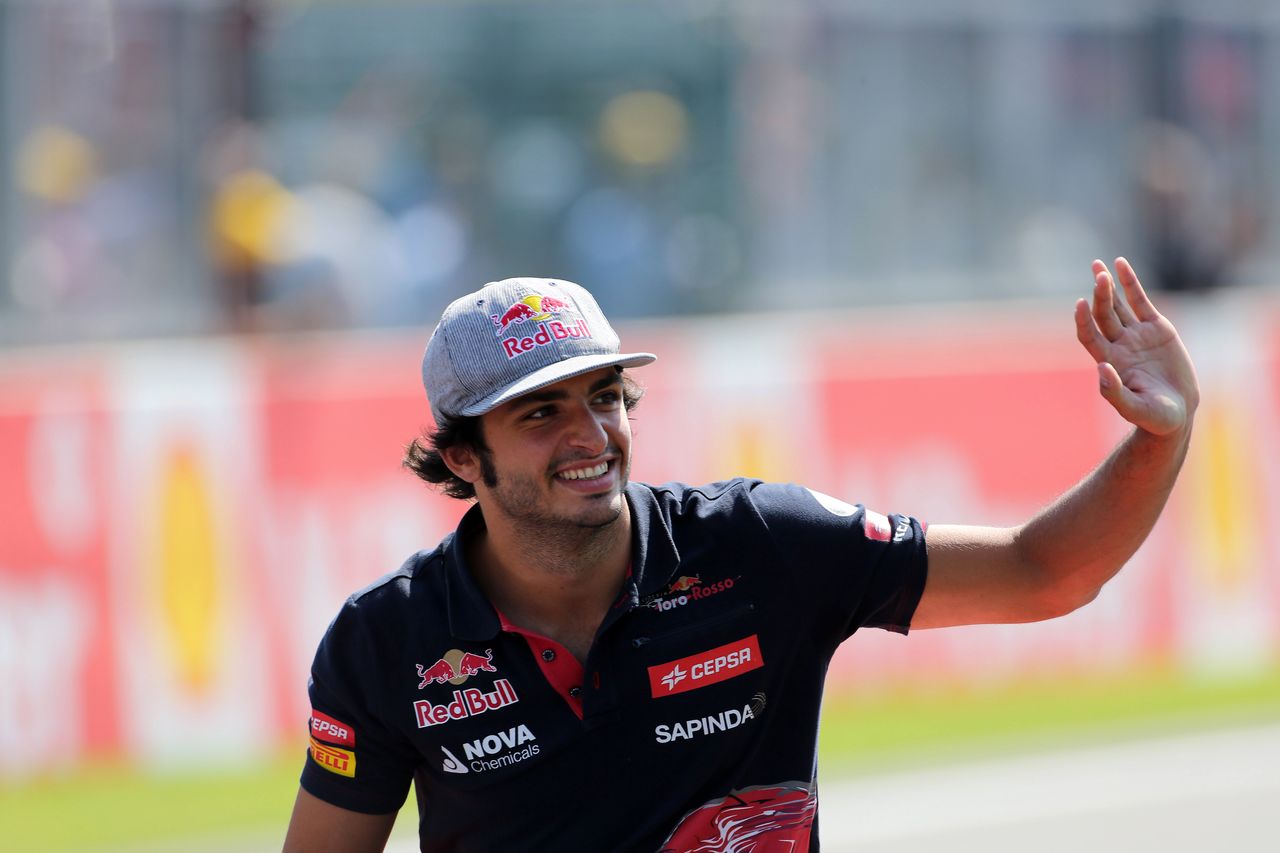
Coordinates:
[334,759]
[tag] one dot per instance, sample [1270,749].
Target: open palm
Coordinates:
[1144,371]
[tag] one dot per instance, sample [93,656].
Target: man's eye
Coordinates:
[539,413]
[608,397]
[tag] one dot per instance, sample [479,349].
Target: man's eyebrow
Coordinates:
[542,396]
[547,395]
[605,381]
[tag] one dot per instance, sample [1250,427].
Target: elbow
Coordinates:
[1060,599]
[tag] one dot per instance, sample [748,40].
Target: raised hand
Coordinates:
[1144,371]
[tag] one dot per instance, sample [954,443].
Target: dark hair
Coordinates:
[423,456]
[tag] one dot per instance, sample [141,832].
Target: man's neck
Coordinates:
[564,585]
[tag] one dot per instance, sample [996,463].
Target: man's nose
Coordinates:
[587,431]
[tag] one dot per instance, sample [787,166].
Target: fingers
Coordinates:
[1133,292]
[1105,312]
[1088,334]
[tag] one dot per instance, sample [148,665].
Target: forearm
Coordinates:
[1083,538]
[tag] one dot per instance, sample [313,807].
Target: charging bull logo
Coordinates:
[455,667]
[534,308]
[749,820]
[684,583]
[549,319]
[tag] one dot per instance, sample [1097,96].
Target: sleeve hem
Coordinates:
[349,800]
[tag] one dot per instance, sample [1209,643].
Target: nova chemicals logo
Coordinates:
[451,764]
[500,749]
[709,667]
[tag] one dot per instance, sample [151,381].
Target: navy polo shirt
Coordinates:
[694,721]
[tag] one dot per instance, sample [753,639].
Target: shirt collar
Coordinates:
[653,560]
[471,616]
[654,557]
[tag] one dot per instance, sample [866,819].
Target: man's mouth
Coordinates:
[590,472]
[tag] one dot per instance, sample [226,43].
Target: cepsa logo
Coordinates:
[685,589]
[326,728]
[537,309]
[709,667]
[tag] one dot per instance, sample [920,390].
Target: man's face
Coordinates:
[559,456]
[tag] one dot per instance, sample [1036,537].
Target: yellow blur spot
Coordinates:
[248,218]
[750,452]
[56,165]
[1225,496]
[190,599]
[644,128]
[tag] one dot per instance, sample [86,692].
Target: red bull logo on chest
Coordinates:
[466,703]
[534,314]
[455,667]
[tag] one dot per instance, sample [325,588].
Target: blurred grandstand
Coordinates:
[194,166]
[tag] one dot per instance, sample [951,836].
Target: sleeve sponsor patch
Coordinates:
[835,506]
[326,728]
[334,759]
[876,526]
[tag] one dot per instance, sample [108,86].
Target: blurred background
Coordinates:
[852,229]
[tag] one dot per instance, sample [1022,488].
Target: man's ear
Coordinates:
[463,461]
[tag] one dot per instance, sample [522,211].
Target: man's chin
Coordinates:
[604,515]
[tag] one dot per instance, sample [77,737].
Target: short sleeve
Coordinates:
[355,759]
[859,568]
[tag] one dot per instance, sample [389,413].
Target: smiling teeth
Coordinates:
[585,473]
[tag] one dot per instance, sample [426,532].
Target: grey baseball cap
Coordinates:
[514,336]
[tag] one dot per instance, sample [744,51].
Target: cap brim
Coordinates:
[554,373]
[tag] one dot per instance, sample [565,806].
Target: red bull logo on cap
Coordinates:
[537,310]
[455,667]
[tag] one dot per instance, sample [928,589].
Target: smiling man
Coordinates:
[592,664]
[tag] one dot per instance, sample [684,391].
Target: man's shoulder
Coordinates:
[676,495]
[728,497]
[404,591]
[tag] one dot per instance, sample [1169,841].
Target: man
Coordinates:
[590,664]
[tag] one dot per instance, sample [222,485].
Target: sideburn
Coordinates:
[488,473]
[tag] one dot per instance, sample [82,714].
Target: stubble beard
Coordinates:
[522,499]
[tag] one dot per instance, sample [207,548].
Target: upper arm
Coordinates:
[320,827]
[979,575]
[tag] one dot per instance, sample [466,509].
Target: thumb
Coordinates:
[1114,392]
[1157,410]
